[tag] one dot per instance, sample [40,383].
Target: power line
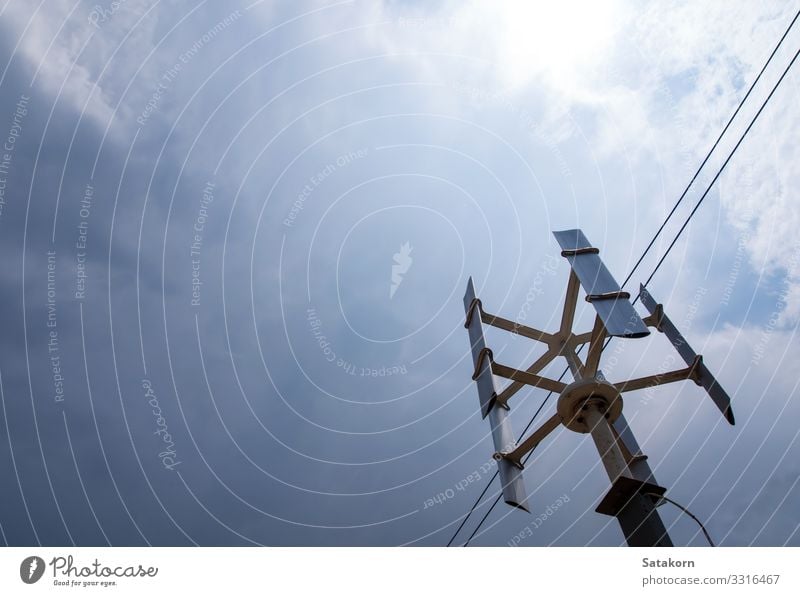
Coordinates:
[722,168]
[688,219]
[496,501]
[488,484]
[663,257]
[710,151]
[524,461]
[714,180]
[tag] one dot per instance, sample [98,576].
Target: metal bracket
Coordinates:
[654,320]
[608,296]
[586,250]
[602,290]
[683,374]
[595,347]
[501,370]
[530,443]
[505,324]
[481,355]
[475,302]
[622,491]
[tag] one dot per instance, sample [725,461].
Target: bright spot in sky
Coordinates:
[560,40]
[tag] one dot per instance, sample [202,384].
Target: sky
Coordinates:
[236,237]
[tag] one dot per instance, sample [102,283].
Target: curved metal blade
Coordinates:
[612,305]
[702,375]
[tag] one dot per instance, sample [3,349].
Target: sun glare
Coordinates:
[556,39]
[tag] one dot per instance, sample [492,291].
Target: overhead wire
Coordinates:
[489,484]
[722,168]
[666,253]
[710,151]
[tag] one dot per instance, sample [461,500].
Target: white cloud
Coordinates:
[67,47]
[657,83]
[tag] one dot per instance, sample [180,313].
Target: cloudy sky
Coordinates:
[235,239]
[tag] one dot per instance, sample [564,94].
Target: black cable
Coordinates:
[488,484]
[666,253]
[722,168]
[697,206]
[710,151]
[471,509]
[686,223]
[694,210]
[483,519]
[687,512]
[713,181]
[524,461]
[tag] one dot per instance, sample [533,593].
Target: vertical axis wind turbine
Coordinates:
[590,404]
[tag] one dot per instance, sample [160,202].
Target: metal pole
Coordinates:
[590,404]
[641,523]
[638,518]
